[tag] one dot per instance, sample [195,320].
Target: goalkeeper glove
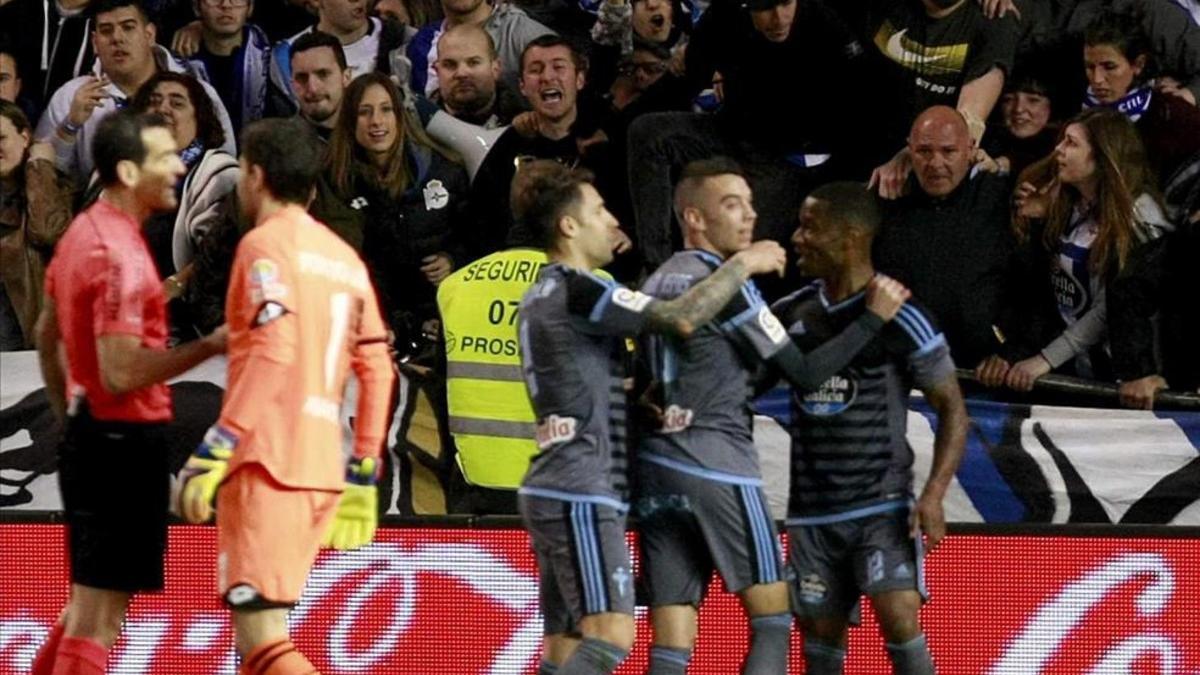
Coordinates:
[357,514]
[203,473]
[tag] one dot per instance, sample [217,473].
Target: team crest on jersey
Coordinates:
[813,589]
[622,578]
[834,396]
[264,282]
[771,326]
[436,195]
[555,429]
[631,300]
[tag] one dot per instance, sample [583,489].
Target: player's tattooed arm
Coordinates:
[682,315]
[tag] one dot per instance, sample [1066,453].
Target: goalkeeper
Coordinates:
[301,314]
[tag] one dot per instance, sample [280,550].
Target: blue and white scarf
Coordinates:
[192,153]
[1132,105]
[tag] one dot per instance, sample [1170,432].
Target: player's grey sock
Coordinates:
[823,659]
[769,638]
[593,657]
[668,661]
[547,668]
[912,657]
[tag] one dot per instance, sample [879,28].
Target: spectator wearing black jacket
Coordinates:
[553,76]
[949,238]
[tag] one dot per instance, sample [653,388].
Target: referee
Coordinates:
[101,340]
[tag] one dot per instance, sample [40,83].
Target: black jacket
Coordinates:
[956,255]
[394,235]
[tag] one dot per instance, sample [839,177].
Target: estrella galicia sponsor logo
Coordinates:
[555,429]
[1070,294]
[834,397]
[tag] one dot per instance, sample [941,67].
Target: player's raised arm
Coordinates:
[682,315]
[806,372]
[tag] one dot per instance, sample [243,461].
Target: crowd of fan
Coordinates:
[1039,161]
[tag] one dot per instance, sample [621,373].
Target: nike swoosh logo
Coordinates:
[896,50]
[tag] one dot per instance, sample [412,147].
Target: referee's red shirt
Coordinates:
[104,282]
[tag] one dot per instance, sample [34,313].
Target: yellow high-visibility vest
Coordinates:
[491,416]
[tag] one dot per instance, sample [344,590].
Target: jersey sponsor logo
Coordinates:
[436,195]
[834,397]
[676,419]
[264,282]
[813,589]
[554,430]
[1068,292]
[631,300]
[771,326]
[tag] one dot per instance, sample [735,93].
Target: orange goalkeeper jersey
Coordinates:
[302,314]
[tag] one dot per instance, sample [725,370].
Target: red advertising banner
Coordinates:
[463,601]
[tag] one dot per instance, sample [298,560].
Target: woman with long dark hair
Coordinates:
[1097,207]
[399,198]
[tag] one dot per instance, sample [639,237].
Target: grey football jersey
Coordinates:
[848,438]
[705,379]
[572,325]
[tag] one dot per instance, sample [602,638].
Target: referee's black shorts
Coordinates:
[115,486]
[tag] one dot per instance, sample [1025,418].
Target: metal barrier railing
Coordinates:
[1097,392]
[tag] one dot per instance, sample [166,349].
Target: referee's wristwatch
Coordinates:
[173,287]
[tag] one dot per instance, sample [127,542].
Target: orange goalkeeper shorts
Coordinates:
[268,536]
